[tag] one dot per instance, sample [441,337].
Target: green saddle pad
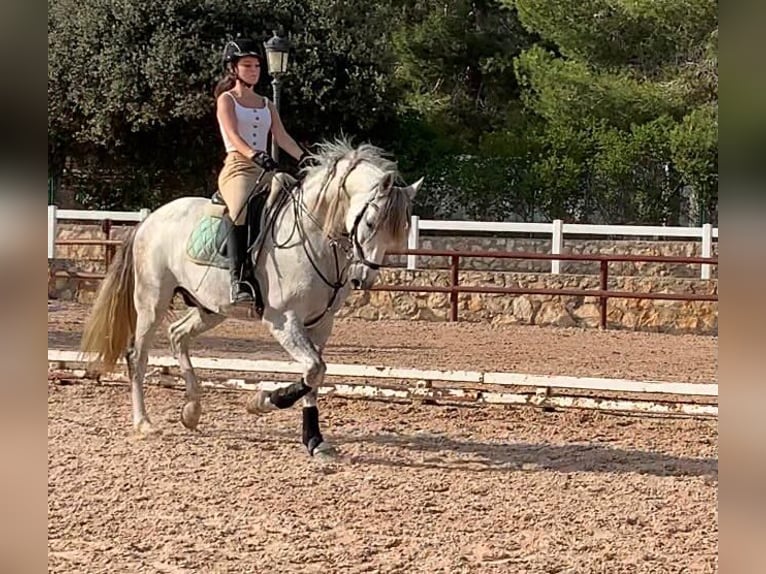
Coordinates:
[204,241]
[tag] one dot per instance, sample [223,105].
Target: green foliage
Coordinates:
[116,68]
[611,80]
[572,93]
[459,91]
[562,171]
[694,145]
[588,110]
[455,65]
[130,86]
[479,188]
[632,178]
[340,75]
[643,36]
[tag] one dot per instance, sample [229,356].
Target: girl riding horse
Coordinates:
[245,119]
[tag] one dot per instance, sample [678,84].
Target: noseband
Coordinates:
[359,256]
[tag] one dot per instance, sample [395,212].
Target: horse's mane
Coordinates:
[333,202]
[331,152]
[395,215]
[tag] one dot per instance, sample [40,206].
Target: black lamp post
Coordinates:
[277,52]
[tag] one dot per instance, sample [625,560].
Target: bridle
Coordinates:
[358,250]
[356,255]
[347,242]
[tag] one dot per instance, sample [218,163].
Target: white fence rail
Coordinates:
[556,229]
[375,382]
[55,215]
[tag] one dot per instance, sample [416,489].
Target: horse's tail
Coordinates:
[112,320]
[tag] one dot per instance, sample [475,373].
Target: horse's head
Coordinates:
[362,202]
[377,222]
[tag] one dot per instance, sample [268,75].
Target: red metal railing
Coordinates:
[110,248]
[454,289]
[603,293]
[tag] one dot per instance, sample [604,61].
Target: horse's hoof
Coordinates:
[190,414]
[259,403]
[324,451]
[146,429]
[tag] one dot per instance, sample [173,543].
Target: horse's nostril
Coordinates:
[356,284]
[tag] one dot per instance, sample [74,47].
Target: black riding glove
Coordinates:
[264,160]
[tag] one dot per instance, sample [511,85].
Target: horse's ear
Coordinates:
[387,183]
[412,190]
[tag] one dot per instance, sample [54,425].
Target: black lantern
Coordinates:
[277,52]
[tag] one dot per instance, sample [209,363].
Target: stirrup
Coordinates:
[240,294]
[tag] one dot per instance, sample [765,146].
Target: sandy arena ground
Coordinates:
[417,488]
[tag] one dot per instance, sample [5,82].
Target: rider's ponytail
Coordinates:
[225,84]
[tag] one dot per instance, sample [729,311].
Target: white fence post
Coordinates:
[51,231]
[144,213]
[707,249]
[413,238]
[557,244]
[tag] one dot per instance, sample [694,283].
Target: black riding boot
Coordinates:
[241,290]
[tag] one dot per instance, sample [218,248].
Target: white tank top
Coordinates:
[253,125]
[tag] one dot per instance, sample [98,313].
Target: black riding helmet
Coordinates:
[240,48]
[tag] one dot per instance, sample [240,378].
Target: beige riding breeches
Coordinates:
[237,181]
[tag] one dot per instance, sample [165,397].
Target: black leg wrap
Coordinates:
[286,397]
[311,435]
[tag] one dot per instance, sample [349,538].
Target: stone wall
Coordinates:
[575,246]
[646,315]
[651,315]
[699,317]
[92,256]
[73,258]
[85,257]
